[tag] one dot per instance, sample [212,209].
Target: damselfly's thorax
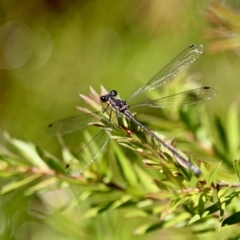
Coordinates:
[116,104]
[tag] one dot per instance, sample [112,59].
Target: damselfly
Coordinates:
[116,107]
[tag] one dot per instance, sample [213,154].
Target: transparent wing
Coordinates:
[88,154]
[72,124]
[190,97]
[177,65]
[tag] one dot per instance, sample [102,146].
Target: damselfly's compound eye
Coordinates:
[113,93]
[104,98]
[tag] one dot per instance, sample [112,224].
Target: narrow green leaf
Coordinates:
[222,197]
[197,217]
[27,151]
[145,179]
[20,183]
[121,201]
[233,130]
[236,164]
[222,134]
[125,167]
[226,201]
[53,163]
[44,185]
[190,118]
[94,211]
[233,219]
[212,178]
[179,219]
[149,227]
[77,200]
[203,199]
[136,213]
[175,202]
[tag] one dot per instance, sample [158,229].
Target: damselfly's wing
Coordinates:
[92,150]
[88,154]
[72,124]
[187,98]
[177,65]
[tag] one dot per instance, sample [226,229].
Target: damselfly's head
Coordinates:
[106,97]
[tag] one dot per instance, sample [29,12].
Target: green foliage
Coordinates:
[137,181]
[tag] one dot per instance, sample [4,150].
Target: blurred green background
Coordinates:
[52,50]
